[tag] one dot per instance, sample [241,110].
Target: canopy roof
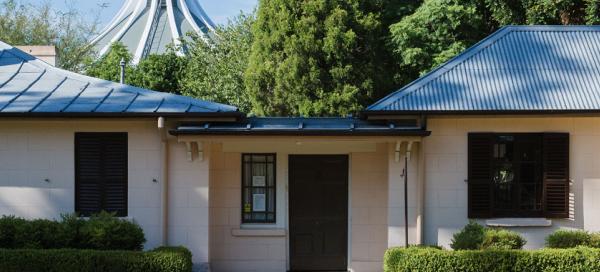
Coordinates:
[284,126]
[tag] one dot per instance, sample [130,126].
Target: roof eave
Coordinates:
[233,114]
[367,113]
[215,132]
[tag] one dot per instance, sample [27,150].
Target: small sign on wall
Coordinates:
[259,203]
[259,181]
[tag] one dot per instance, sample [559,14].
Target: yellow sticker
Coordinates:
[247,207]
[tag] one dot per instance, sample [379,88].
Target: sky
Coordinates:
[218,10]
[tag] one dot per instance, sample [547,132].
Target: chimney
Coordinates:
[46,53]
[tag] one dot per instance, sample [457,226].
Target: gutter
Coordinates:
[164,150]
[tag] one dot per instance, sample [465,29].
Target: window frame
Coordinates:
[556,182]
[267,195]
[77,193]
[516,167]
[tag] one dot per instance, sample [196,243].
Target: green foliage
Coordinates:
[435,32]
[102,231]
[105,231]
[557,260]
[570,238]
[176,259]
[160,72]
[215,70]
[108,66]
[502,239]
[474,236]
[319,57]
[470,236]
[29,25]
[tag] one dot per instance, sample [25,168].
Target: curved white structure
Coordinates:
[148,26]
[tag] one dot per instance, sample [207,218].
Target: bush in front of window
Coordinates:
[475,236]
[103,231]
[502,239]
[163,259]
[469,237]
[427,259]
[572,238]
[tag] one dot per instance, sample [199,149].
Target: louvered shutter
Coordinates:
[480,152]
[101,173]
[555,163]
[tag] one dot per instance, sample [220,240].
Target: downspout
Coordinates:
[165,179]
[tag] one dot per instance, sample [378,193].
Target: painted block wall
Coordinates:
[396,222]
[33,151]
[188,201]
[368,235]
[369,209]
[446,172]
[241,253]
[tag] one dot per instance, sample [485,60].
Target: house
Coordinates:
[505,133]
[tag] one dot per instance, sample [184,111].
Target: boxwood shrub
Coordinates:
[475,236]
[556,260]
[164,259]
[102,231]
[572,238]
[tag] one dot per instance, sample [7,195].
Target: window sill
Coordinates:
[258,232]
[518,222]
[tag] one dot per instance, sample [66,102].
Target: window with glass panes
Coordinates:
[258,188]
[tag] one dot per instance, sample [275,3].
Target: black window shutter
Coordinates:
[555,164]
[101,173]
[480,153]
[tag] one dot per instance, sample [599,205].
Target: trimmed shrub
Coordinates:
[469,237]
[474,236]
[103,231]
[164,259]
[556,260]
[568,239]
[502,239]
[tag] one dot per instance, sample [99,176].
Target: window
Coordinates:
[258,188]
[518,175]
[101,173]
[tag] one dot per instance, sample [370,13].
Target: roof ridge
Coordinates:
[442,69]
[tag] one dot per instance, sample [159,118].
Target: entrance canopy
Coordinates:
[298,126]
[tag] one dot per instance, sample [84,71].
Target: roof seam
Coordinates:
[75,98]
[49,94]
[103,99]
[24,90]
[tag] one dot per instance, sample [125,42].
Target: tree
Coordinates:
[318,57]
[161,72]
[215,70]
[108,66]
[437,31]
[68,31]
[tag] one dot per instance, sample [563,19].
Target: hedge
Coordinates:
[429,259]
[176,259]
[102,231]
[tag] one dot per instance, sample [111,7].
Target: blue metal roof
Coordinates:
[328,126]
[29,86]
[518,68]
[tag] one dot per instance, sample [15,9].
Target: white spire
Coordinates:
[148,26]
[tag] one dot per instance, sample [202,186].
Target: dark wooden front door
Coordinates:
[318,193]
